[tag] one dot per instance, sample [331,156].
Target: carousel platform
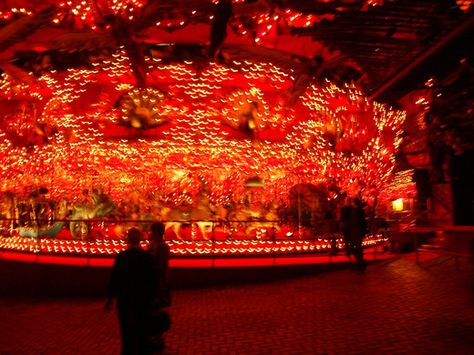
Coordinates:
[371,254]
[189,253]
[72,267]
[32,275]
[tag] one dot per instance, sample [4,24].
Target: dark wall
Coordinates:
[423,188]
[463,188]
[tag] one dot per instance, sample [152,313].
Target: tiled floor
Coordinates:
[395,307]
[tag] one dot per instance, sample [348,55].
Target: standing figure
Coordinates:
[344,224]
[132,285]
[358,229]
[161,253]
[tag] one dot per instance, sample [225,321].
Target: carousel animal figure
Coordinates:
[54,215]
[238,215]
[201,217]
[203,214]
[99,205]
[255,218]
[43,208]
[103,203]
[33,211]
[146,213]
[200,213]
[137,209]
[269,220]
[8,211]
[175,217]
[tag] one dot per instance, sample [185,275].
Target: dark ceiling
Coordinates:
[407,37]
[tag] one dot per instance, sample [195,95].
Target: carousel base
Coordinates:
[370,254]
[206,252]
[27,275]
[41,266]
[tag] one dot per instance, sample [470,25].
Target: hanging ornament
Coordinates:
[141,108]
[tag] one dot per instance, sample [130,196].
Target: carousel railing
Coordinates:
[105,237]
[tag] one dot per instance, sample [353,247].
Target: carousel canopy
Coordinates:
[168,94]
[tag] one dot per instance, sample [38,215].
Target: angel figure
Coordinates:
[248,120]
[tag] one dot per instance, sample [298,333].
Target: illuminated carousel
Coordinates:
[115,115]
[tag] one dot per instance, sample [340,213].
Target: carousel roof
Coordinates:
[369,41]
[107,90]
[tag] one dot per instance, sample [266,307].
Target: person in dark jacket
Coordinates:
[344,224]
[358,229]
[132,285]
[161,253]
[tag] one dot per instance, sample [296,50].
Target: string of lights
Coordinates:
[332,134]
[106,247]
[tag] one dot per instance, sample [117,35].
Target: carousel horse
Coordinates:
[139,209]
[101,206]
[176,217]
[8,209]
[203,216]
[200,213]
[269,220]
[55,217]
[254,218]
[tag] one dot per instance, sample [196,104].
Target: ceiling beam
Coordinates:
[459,36]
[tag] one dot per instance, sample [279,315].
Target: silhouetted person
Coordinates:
[344,224]
[161,253]
[132,285]
[358,226]
[222,15]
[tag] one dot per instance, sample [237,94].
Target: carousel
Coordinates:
[117,114]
